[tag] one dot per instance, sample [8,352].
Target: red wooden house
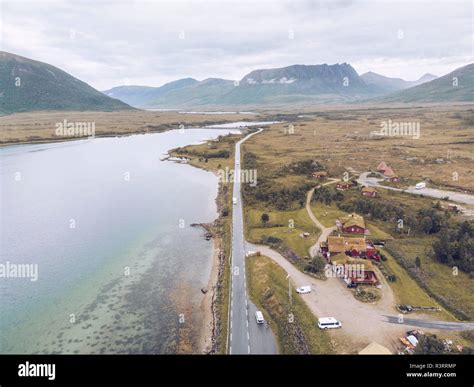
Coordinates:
[320,175]
[343,185]
[356,270]
[352,224]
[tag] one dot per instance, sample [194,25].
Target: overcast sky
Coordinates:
[110,43]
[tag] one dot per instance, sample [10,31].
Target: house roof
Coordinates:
[369,189]
[335,244]
[358,244]
[320,173]
[353,220]
[389,172]
[382,166]
[375,348]
[343,259]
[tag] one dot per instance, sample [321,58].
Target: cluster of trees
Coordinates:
[282,199]
[224,153]
[455,246]
[327,195]
[250,160]
[426,220]
[429,344]
[305,167]
[316,265]
[376,208]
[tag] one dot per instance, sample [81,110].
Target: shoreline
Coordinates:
[207,335]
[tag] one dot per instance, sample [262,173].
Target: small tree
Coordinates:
[265,219]
[317,264]
[418,262]
[430,345]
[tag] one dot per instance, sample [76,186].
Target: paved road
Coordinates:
[244,335]
[432,192]
[441,325]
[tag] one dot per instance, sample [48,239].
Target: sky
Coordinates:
[108,43]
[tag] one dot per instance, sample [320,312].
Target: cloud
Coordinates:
[152,42]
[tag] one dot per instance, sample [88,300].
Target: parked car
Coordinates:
[420,185]
[328,323]
[234,200]
[259,317]
[303,289]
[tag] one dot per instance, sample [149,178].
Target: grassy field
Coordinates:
[340,139]
[196,154]
[279,226]
[457,290]
[328,214]
[407,291]
[41,126]
[268,289]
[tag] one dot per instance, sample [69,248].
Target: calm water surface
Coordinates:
[101,219]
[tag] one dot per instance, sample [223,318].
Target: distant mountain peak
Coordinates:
[439,89]
[427,77]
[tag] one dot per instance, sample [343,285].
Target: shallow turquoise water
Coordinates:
[126,277]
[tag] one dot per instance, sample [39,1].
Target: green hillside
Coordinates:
[29,85]
[443,89]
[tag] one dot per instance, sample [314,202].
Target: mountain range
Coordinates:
[296,84]
[386,84]
[28,85]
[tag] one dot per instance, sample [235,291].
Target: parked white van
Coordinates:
[234,200]
[328,323]
[259,317]
[304,290]
[420,185]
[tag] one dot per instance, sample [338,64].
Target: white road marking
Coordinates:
[248,348]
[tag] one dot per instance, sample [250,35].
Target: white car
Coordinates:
[328,323]
[303,290]
[259,317]
[234,200]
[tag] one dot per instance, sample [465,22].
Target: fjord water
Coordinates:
[101,218]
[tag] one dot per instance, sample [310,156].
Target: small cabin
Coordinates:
[370,192]
[320,175]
